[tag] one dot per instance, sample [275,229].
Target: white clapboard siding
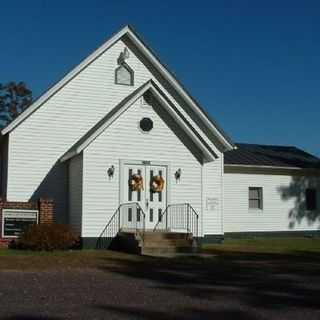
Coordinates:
[37,144]
[282,198]
[213,197]
[75,193]
[124,140]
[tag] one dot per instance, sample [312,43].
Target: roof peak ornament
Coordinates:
[124,55]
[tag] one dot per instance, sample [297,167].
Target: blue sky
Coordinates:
[254,65]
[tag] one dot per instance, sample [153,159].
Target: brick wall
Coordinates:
[45,211]
[44,207]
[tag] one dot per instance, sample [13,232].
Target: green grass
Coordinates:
[295,249]
[10,252]
[267,245]
[11,259]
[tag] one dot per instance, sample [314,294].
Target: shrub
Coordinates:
[47,237]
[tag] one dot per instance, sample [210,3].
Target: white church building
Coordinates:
[120,144]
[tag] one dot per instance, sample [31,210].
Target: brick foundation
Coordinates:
[44,207]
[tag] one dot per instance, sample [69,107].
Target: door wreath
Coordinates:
[157,184]
[136,182]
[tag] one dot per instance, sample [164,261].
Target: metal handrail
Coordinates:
[160,218]
[115,224]
[138,230]
[182,216]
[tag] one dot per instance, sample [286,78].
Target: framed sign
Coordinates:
[212,203]
[14,222]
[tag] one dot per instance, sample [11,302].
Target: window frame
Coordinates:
[314,201]
[259,199]
[126,66]
[146,131]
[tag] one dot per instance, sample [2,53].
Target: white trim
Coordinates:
[222,194]
[200,225]
[56,87]
[141,162]
[16,210]
[259,209]
[180,90]
[82,146]
[144,104]
[126,30]
[146,163]
[194,138]
[264,167]
[148,86]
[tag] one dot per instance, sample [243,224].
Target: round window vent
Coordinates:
[146,124]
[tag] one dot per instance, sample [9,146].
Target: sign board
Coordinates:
[16,221]
[212,203]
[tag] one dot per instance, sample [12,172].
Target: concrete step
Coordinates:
[166,235]
[168,251]
[167,244]
[162,243]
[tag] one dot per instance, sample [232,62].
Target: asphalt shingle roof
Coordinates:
[268,155]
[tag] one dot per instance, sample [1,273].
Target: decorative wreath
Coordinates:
[136,182]
[157,184]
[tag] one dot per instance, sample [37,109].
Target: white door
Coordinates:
[156,202]
[131,216]
[152,203]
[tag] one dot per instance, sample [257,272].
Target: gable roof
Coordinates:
[110,117]
[128,31]
[270,156]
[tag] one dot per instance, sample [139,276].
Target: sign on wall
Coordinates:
[16,221]
[212,204]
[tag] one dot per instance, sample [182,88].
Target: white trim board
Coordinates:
[261,167]
[122,107]
[128,31]
[61,83]
[270,170]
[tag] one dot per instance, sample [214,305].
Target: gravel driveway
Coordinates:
[156,289]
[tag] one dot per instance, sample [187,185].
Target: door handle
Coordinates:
[147,203]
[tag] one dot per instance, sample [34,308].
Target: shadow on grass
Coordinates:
[259,280]
[29,317]
[297,256]
[186,313]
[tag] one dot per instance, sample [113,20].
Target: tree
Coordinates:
[14,99]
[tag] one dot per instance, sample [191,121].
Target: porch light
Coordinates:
[177,174]
[111,171]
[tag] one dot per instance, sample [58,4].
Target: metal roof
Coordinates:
[269,155]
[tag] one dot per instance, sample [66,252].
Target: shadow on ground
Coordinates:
[258,281]
[29,317]
[187,313]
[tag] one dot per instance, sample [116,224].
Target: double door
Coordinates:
[138,187]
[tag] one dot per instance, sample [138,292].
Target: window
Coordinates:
[311,199]
[255,198]
[124,75]
[146,124]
